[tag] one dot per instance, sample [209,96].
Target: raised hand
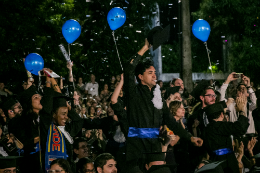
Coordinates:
[246,80]
[251,144]
[230,78]
[197,141]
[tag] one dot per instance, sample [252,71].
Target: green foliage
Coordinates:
[35,27]
[239,20]
[171,62]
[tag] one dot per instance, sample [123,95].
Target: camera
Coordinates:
[238,75]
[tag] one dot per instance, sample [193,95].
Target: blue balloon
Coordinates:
[201,29]
[34,63]
[116,17]
[71,30]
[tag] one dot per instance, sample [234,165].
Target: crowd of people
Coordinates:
[132,123]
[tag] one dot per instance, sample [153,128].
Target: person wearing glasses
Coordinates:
[80,148]
[206,95]
[12,108]
[242,90]
[60,166]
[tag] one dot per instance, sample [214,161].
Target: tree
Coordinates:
[239,20]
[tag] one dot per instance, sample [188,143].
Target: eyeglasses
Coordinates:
[211,96]
[11,171]
[54,171]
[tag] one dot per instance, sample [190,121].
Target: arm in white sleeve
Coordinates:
[222,90]
[252,96]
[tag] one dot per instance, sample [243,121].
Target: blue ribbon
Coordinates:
[36,148]
[143,132]
[223,151]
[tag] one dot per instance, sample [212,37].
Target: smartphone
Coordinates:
[238,75]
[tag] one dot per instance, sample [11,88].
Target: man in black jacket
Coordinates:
[218,134]
[146,111]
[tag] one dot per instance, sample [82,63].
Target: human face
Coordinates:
[76,98]
[118,78]
[110,111]
[149,77]
[88,134]
[109,167]
[92,110]
[57,168]
[105,87]
[175,96]
[80,80]
[36,102]
[180,112]
[83,110]
[82,151]
[93,78]
[18,109]
[89,168]
[98,111]
[179,82]
[2,85]
[24,85]
[61,116]
[209,98]
[8,170]
[242,90]
[113,79]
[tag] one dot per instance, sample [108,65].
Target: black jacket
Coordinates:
[141,113]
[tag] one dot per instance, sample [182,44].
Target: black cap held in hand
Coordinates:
[157,36]
[171,90]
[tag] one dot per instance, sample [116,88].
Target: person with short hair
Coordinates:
[80,148]
[85,165]
[146,110]
[92,86]
[12,108]
[218,133]
[105,163]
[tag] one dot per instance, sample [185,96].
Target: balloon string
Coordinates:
[113,33]
[208,51]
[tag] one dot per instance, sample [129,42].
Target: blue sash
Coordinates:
[223,151]
[55,146]
[143,132]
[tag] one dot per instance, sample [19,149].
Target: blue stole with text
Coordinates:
[55,146]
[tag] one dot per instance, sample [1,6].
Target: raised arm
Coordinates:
[129,77]
[251,93]
[117,90]
[223,88]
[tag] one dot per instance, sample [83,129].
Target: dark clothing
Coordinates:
[31,128]
[121,114]
[198,114]
[141,113]
[217,135]
[256,117]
